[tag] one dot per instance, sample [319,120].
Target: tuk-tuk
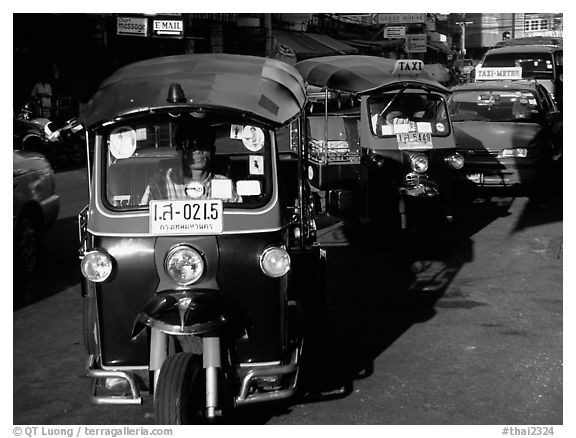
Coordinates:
[195,290]
[398,145]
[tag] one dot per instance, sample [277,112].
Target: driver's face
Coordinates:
[198,159]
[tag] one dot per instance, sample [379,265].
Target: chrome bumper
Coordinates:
[245,398]
[96,373]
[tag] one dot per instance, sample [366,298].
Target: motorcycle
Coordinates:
[59,141]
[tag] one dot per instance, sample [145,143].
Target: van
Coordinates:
[541,63]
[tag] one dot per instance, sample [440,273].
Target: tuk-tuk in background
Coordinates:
[396,146]
[197,293]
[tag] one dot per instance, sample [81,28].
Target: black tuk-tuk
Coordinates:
[374,160]
[194,290]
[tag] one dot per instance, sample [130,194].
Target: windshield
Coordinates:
[168,158]
[343,138]
[494,106]
[402,112]
[534,65]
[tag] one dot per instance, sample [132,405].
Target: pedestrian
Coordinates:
[42,93]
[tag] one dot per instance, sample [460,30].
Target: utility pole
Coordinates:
[268,29]
[462,25]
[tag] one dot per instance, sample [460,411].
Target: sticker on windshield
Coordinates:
[253,138]
[256,165]
[249,187]
[194,190]
[221,188]
[236,132]
[424,126]
[122,142]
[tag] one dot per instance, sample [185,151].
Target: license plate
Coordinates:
[186,217]
[410,140]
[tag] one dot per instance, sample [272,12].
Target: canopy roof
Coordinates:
[306,45]
[263,88]
[359,73]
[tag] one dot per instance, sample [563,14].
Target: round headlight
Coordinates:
[419,163]
[184,265]
[275,262]
[455,161]
[96,266]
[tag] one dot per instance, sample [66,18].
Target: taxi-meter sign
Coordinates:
[498,73]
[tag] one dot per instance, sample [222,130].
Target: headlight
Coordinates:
[455,161]
[513,153]
[184,264]
[96,266]
[275,262]
[419,163]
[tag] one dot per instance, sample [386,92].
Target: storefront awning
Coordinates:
[382,44]
[303,45]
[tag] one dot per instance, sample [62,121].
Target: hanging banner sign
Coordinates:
[401,18]
[394,32]
[168,28]
[132,26]
[416,43]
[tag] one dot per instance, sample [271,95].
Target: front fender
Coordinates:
[198,312]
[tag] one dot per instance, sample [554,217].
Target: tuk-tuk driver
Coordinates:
[195,178]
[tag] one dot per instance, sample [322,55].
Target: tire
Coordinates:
[180,394]
[27,244]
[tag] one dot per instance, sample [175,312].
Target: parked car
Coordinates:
[509,132]
[28,136]
[36,207]
[336,98]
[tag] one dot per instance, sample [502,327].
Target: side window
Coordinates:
[547,103]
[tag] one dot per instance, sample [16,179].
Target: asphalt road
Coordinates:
[462,328]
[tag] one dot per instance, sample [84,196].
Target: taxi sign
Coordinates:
[408,66]
[498,73]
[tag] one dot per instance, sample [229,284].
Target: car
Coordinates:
[540,62]
[36,207]
[509,132]
[28,135]
[465,67]
[317,97]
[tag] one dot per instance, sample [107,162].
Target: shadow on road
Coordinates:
[58,268]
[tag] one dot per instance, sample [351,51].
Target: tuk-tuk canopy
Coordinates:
[261,87]
[364,74]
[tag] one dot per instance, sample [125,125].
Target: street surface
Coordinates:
[464,328]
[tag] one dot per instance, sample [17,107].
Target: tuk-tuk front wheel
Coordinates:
[180,393]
